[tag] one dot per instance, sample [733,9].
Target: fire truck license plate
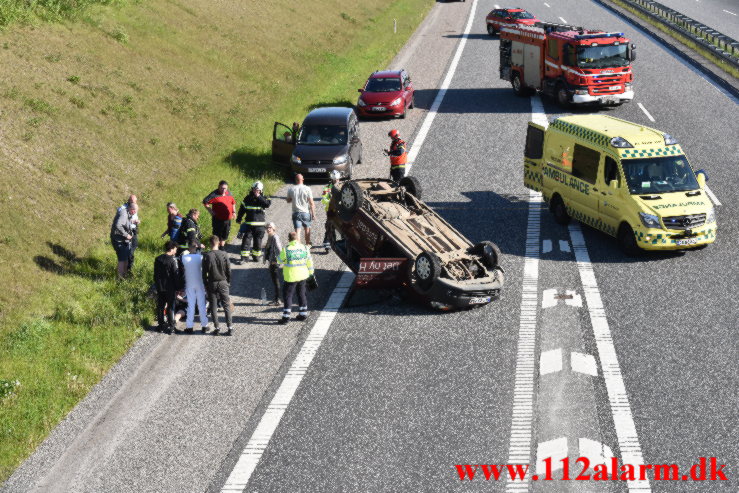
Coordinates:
[316,170]
[687,241]
[481,299]
[379,108]
[614,88]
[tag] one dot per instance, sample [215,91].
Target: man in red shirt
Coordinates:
[222,208]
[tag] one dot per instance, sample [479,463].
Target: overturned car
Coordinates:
[375,218]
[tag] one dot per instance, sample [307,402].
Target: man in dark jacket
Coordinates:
[253,207]
[167,279]
[217,278]
[189,232]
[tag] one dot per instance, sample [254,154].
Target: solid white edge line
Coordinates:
[262,434]
[729,12]
[712,196]
[547,5]
[426,126]
[623,419]
[651,118]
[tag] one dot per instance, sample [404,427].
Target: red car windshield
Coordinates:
[383,84]
[520,15]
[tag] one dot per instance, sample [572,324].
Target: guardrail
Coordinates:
[720,45]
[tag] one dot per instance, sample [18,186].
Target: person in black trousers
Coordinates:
[217,278]
[271,255]
[167,279]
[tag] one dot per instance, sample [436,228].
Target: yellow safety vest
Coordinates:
[296,261]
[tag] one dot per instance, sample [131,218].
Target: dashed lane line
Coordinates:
[712,196]
[563,21]
[641,106]
[729,12]
[429,120]
[623,419]
[547,5]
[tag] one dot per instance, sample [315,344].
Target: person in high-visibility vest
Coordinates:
[398,156]
[326,195]
[253,207]
[297,267]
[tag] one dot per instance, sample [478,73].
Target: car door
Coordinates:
[609,197]
[283,144]
[408,85]
[583,189]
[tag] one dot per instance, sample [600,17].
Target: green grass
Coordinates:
[167,114]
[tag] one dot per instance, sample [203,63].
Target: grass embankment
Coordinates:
[161,98]
[682,39]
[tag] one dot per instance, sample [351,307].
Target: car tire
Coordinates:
[412,186]
[518,86]
[491,30]
[351,201]
[426,269]
[627,241]
[562,97]
[559,210]
[489,252]
[402,115]
[413,102]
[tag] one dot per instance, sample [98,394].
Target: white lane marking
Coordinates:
[550,361]
[597,452]
[259,440]
[548,299]
[496,6]
[555,449]
[729,12]
[628,440]
[519,450]
[583,363]
[547,5]
[538,115]
[564,246]
[426,126]
[546,246]
[563,21]
[574,298]
[651,118]
[712,196]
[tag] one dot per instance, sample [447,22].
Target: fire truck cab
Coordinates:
[569,63]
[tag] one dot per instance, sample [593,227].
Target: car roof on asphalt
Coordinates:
[330,115]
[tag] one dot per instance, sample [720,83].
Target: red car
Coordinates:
[387,93]
[508,17]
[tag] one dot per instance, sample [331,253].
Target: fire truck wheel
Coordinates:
[627,241]
[412,186]
[426,269]
[351,200]
[491,30]
[518,86]
[562,97]
[560,211]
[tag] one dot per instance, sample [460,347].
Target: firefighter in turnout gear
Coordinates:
[398,156]
[326,195]
[297,267]
[189,232]
[253,207]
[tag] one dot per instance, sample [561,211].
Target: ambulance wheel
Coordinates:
[562,97]
[517,85]
[412,186]
[627,241]
[491,30]
[559,210]
[489,252]
[426,269]
[351,200]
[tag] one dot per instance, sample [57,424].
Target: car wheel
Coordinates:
[518,86]
[489,252]
[491,30]
[412,185]
[559,210]
[426,269]
[352,199]
[627,241]
[402,115]
[562,97]
[413,102]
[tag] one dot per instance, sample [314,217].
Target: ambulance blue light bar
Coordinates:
[601,35]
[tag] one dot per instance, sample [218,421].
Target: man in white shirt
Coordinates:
[304,210]
[192,262]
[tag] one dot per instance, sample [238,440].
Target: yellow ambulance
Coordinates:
[629,181]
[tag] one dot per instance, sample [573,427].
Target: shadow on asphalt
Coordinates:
[483,100]
[472,36]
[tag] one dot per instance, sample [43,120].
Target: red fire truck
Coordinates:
[570,63]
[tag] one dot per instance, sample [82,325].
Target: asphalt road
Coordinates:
[722,15]
[397,395]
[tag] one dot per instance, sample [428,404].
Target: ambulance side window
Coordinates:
[610,171]
[585,163]
[534,143]
[552,49]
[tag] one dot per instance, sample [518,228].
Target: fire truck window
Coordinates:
[552,49]
[534,143]
[569,56]
[585,163]
[611,171]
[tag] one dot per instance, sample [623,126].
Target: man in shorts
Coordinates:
[304,210]
[222,208]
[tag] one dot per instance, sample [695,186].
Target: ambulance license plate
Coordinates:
[480,300]
[379,108]
[686,241]
[316,170]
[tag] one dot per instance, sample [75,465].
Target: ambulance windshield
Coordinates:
[659,175]
[603,56]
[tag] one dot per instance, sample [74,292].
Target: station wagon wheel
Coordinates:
[412,185]
[491,30]
[427,268]
[351,200]
[489,252]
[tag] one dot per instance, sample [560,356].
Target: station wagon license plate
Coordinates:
[686,241]
[479,300]
[316,170]
[379,108]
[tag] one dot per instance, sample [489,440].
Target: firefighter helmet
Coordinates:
[393,134]
[258,185]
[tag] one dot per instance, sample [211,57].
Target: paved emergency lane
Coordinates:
[722,15]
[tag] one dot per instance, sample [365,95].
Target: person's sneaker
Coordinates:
[229,331]
[205,329]
[327,245]
[241,261]
[300,318]
[188,330]
[168,330]
[283,321]
[274,303]
[215,332]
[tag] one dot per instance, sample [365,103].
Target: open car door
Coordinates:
[283,144]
